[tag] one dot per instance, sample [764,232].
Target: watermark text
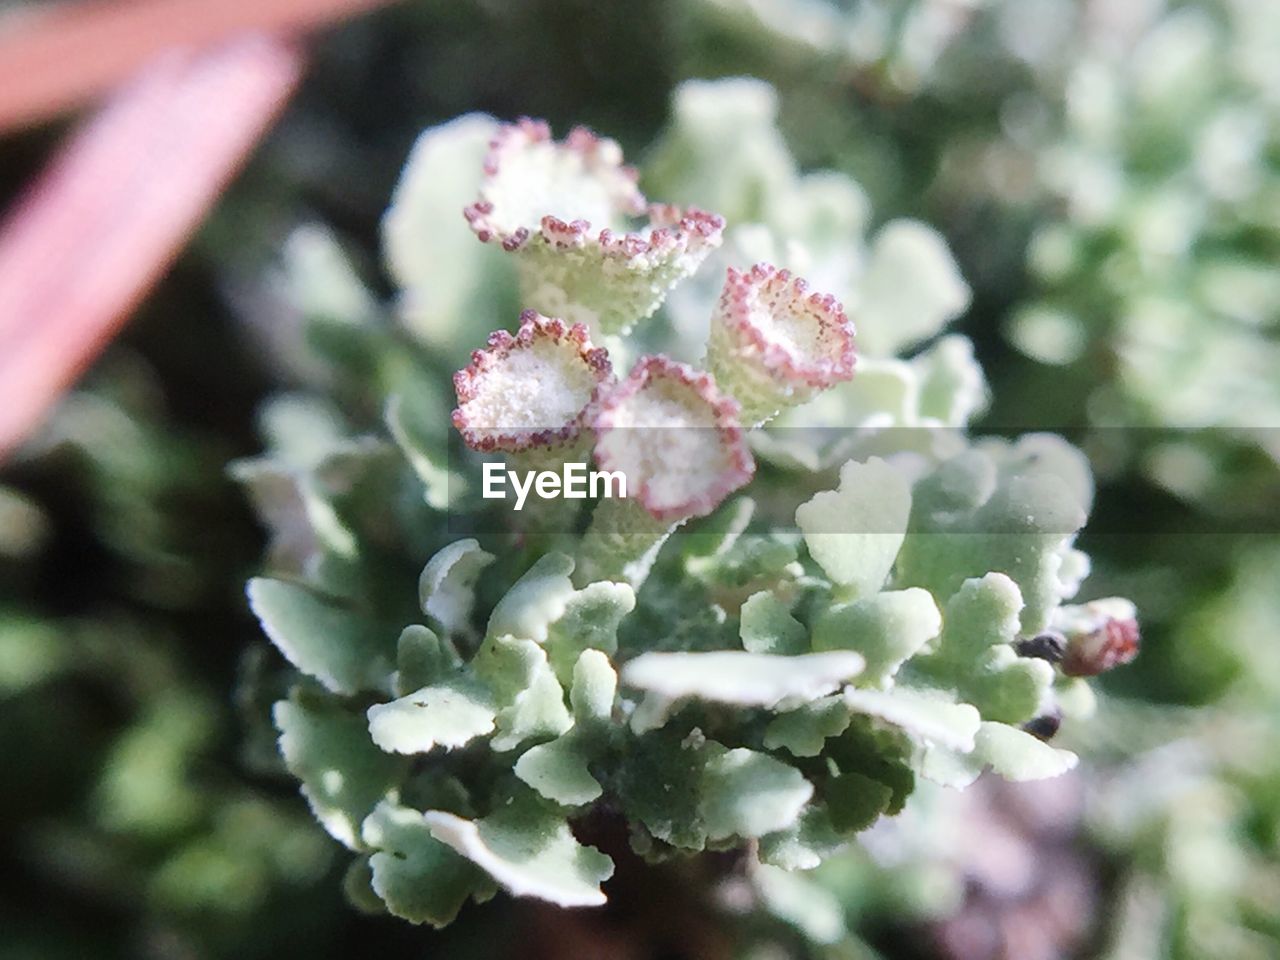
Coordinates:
[574,481]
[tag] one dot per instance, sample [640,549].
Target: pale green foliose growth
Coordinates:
[473,703]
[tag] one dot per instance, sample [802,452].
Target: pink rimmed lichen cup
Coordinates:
[533,390]
[589,247]
[774,343]
[675,436]
[678,442]
[528,177]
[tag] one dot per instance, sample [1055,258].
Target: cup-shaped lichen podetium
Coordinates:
[775,344]
[590,248]
[677,440]
[529,395]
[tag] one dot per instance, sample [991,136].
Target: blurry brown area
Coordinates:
[191,87]
[655,911]
[1030,891]
[86,242]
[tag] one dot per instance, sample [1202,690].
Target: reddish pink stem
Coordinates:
[108,216]
[55,55]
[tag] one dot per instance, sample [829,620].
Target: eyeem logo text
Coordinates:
[573,482]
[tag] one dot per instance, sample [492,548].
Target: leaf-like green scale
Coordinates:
[449,715]
[926,715]
[421,659]
[805,730]
[535,601]
[804,845]
[446,586]
[855,801]
[974,655]
[537,712]
[589,622]
[345,652]
[855,531]
[419,878]
[558,771]
[887,629]
[659,787]
[595,684]
[738,677]
[748,794]
[767,626]
[529,854]
[343,774]
[1012,509]
[1010,752]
